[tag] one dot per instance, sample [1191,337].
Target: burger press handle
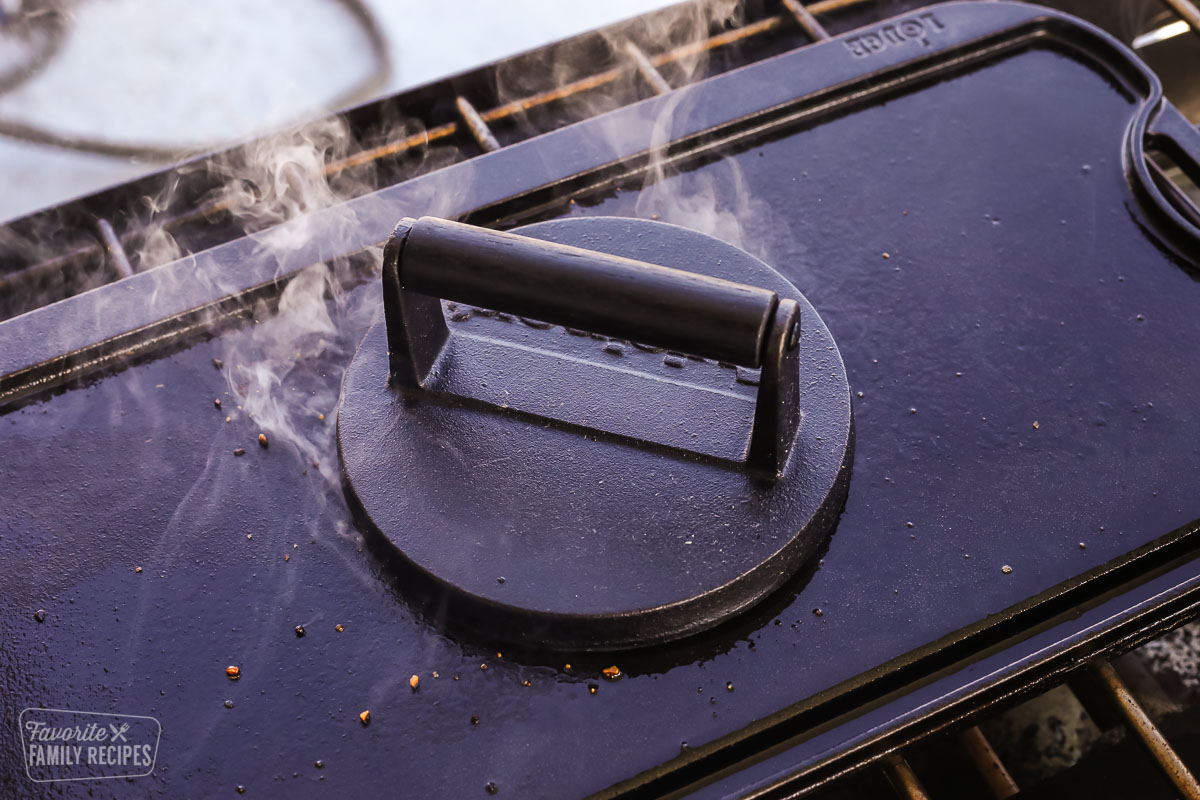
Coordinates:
[430,258]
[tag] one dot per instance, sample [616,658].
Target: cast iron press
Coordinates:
[624,433]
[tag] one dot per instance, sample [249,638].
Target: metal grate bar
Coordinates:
[990,767]
[1136,720]
[591,82]
[825,6]
[479,129]
[118,259]
[904,780]
[392,148]
[650,75]
[806,20]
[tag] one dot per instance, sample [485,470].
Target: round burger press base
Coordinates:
[567,491]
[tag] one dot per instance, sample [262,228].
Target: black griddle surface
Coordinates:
[1024,355]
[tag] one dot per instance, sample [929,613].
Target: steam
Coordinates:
[283,372]
[270,373]
[283,178]
[697,202]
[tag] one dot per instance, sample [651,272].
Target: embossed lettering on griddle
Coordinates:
[913,29]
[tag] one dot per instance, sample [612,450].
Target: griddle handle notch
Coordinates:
[431,259]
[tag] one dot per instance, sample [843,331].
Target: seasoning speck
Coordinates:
[262,440]
[40,615]
[365,717]
[612,673]
[1006,569]
[233,672]
[239,452]
[414,682]
[300,631]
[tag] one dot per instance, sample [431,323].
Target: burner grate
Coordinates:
[967,761]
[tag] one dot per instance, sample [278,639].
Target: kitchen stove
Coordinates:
[970,196]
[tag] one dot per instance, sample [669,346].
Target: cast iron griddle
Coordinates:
[1031,277]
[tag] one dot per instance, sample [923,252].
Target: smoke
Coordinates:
[287,176]
[282,370]
[717,201]
[282,177]
[698,203]
[270,372]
